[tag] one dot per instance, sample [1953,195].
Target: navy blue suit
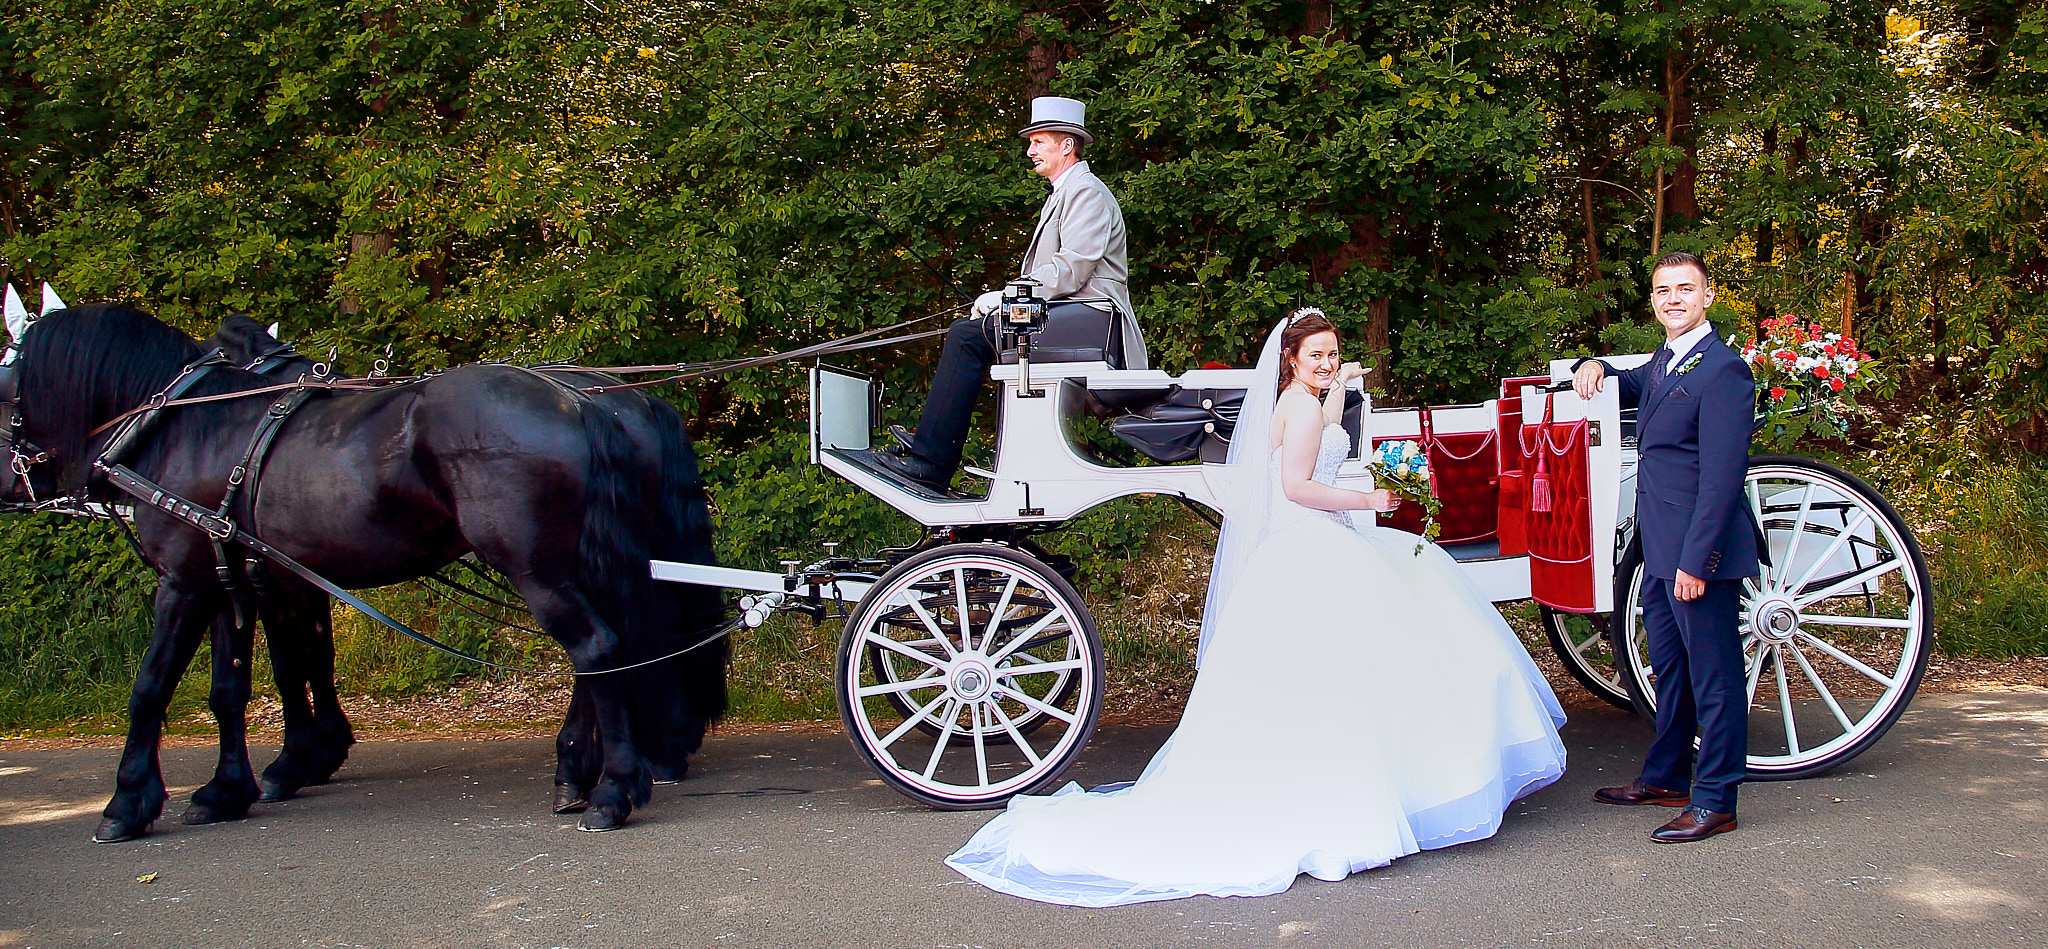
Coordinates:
[1692,440]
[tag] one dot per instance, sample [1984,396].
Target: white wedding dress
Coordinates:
[1357,702]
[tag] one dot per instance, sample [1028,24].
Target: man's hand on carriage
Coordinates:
[988,303]
[1592,375]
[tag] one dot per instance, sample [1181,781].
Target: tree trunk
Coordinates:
[362,247]
[1677,194]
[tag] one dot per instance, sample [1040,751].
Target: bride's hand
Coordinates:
[1381,500]
[1348,372]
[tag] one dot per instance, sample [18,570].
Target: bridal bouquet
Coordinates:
[1806,379]
[1403,468]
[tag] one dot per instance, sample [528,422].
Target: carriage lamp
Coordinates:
[1023,316]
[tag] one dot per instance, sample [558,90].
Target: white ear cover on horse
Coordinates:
[17,320]
[51,301]
[274,327]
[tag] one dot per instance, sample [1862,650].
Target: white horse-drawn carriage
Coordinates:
[969,670]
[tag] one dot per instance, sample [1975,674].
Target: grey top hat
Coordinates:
[1059,114]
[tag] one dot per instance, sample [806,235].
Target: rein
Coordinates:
[683,372]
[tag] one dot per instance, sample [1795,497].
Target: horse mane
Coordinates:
[86,364]
[241,334]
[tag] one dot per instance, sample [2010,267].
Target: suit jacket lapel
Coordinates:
[1662,386]
[1045,213]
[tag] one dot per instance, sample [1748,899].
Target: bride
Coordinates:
[1357,702]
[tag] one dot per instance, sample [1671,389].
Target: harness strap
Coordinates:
[143,417]
[246,475]
[222,530]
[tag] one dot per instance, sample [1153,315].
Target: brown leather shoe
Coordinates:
[1693,823]
[1636,792]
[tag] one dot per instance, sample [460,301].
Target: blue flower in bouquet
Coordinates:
[1402,467]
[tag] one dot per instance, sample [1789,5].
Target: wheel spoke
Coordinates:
[960,604]
[1036,705]
[1858,578]
[1756,670]
[1785,702]
[910,722]
[1849,531]
[931,623]
[1881,622]
[995,619]
[901,649]
[1025,637]
[980,744]
[1822,688]
[897,688]
[1846,659]
[1799,526]
[1039,666]
[931,766]
[1016,737]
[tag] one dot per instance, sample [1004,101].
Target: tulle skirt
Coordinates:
[1358,703]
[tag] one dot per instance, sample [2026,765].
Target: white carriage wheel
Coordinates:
[996,638]
[1836,631]
[1582,643]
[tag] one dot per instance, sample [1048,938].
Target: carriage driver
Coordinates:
[1077,254]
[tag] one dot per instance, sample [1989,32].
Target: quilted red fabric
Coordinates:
[1561,538]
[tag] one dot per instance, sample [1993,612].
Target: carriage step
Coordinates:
[864,460]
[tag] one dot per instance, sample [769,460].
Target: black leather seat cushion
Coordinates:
[1074,332]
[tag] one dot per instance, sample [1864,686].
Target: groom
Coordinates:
[1695,403]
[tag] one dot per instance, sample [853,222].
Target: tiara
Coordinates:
[1306,312]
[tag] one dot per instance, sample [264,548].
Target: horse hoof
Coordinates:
[113,831]
[569,799]
[201,814]
[276,791]
[669,774]
[600,821]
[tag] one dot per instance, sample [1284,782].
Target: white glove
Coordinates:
[988,303]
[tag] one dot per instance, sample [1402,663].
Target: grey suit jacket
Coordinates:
[1079,250]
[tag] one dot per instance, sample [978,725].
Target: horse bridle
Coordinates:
[21,456]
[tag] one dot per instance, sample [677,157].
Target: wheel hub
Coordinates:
[1774,620]
[971,678]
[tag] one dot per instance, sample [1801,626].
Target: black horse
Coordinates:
[316,729]
[370,488]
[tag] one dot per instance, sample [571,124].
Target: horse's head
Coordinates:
[253,347]
[12,452]
[74,370]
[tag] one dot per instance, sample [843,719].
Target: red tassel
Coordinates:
[1539,484]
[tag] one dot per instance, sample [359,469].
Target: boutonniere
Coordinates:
[1687,366]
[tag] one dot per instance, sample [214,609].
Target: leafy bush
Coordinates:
[1982,517]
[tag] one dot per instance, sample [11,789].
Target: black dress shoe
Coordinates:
[1636,792]
[911,468]
[1693,823]
[901,435]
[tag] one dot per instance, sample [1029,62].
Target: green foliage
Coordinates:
[74,618]
[1468,190]
[1983,519]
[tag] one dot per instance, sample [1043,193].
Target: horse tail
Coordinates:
[650,505]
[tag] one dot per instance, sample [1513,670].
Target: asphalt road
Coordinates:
[1938,837]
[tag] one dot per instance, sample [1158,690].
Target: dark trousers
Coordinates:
[1074,332]
[1696,648]
[969,350]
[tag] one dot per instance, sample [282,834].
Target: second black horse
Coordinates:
[370,488]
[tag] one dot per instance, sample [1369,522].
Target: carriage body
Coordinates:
[970,670]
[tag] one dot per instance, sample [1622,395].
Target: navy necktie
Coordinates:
[1660,364]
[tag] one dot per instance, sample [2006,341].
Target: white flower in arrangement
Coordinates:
[1408,450]
[1401,470]
[1849,365]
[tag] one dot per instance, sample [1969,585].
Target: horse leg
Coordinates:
[568,616]
[317,735]
[233,788]
[577,753]
[181,617]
